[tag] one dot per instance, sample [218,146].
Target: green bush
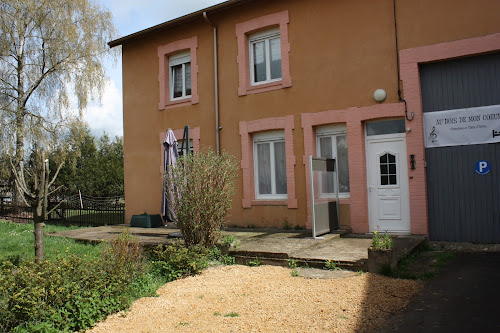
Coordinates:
[69,293]
[175,261]
[200,188]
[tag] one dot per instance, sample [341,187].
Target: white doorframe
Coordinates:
[388,193]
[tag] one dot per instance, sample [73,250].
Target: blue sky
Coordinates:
[130,16]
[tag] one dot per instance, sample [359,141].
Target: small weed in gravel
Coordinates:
[254,263]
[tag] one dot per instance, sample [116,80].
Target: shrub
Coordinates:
[175,261]
[69,293]
[200,188]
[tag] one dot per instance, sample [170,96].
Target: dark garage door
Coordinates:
[464,206]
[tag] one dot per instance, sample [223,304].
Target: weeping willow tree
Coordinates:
[50,50]
[51,58]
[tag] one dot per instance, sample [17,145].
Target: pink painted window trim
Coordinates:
[164,52]
[194,134]
[247,129]
[243,30]
[354,119]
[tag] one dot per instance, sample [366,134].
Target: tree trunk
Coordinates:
[20,113]
[39,224]
[40,212]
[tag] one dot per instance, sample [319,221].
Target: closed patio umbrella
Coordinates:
[170,155]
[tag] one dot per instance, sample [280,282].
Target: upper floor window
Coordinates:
[180,75]
[265,56]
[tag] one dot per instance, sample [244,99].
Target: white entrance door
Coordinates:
[388,197]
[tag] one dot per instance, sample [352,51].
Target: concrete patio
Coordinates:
[270,246]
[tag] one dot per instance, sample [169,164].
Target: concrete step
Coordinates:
[283,259]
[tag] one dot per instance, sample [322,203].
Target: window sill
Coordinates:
[258,88]
[180,102]
[269,202]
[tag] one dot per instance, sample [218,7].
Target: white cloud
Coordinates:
[131,16]
[106,116]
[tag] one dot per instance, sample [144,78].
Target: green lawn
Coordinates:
[18,240]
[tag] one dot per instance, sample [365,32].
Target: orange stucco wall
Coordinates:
[340,52]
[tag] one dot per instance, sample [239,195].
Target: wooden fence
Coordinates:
[71,211]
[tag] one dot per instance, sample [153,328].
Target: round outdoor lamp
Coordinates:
[379,95]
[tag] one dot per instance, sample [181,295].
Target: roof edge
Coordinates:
[186,18]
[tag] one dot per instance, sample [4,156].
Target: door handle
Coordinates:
[370,188]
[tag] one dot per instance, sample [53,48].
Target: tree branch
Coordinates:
[57,172]
[55,207]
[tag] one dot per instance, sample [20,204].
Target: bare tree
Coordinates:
[34,186]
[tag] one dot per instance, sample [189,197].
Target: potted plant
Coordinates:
[380,254]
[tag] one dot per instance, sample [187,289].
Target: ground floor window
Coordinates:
[331,142]
[270,165]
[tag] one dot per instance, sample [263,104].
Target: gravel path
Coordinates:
[265,299]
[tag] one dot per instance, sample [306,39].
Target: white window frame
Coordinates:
[264,36]
[333,131]
[269,137]
[181,58]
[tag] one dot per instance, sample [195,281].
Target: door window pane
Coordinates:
[388,170]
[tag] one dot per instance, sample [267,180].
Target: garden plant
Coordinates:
[76,285]
[200,188]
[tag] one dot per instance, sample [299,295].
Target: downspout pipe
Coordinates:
[399,66]
[216,85]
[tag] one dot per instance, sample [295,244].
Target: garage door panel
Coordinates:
[463,205]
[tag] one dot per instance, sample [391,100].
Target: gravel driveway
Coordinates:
[265,299]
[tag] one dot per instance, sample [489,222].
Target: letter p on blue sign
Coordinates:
[483,167]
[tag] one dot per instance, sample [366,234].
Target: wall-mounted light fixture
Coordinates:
[379,95]
[412,162]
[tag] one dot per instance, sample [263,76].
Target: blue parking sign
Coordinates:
[483,167]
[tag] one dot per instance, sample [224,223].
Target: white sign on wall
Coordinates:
[462,126]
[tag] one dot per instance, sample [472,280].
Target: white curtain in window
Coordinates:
[275,51]
[259,58]
[343,164]
[280,167]
[327,181]
[188,78]
[264,168]
[177,78]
